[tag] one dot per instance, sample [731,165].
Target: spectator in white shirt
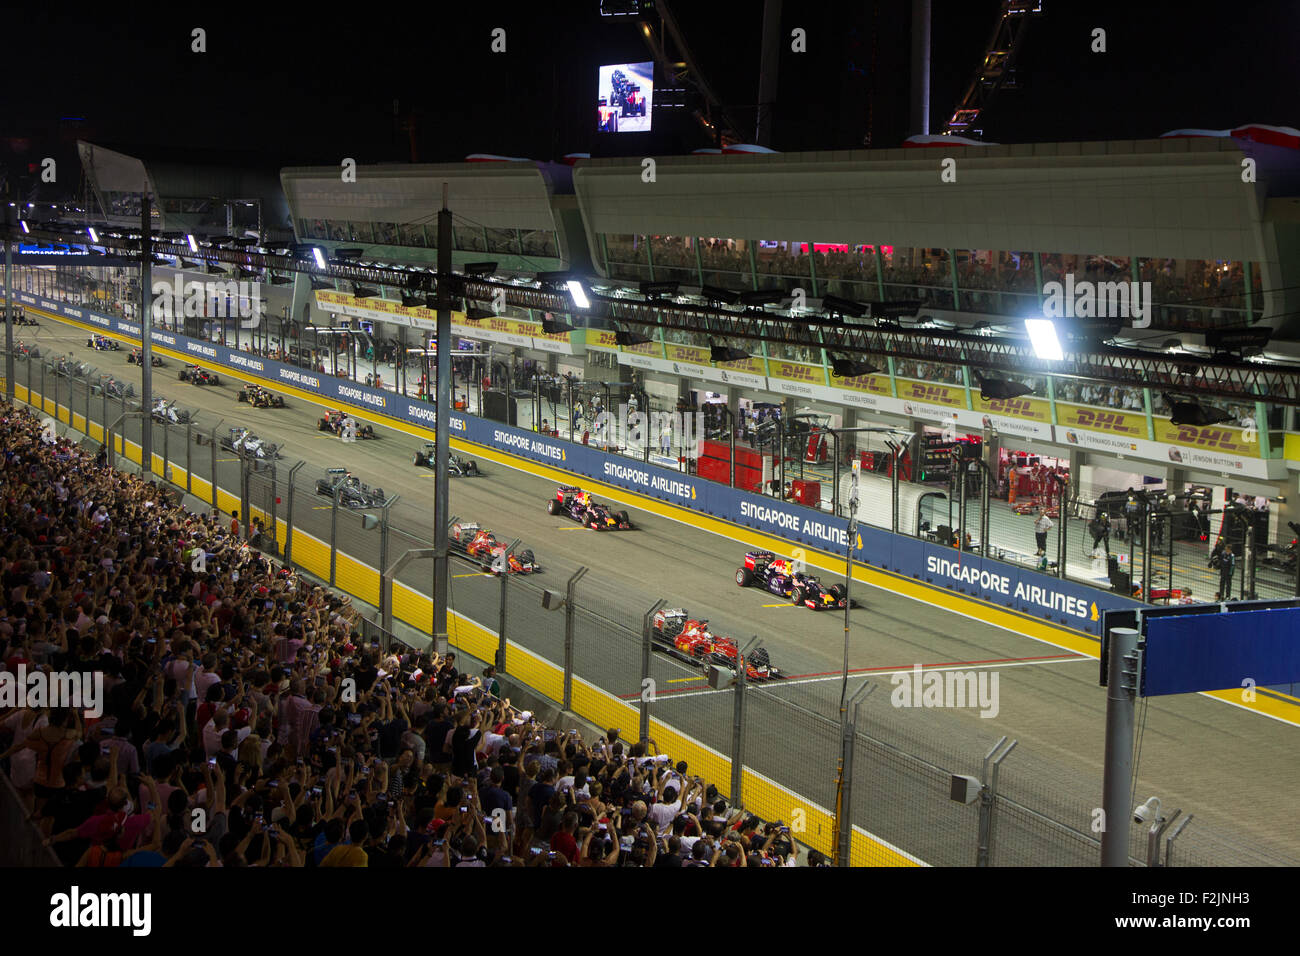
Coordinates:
[215,727]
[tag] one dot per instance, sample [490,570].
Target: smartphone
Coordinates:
[534,851]
[212,762]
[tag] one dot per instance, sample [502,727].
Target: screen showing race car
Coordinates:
[625,101]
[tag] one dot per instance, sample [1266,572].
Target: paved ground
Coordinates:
[1232,768]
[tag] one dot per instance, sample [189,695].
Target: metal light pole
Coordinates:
[840,782]
[1121,693]
[146,327]
[441,569]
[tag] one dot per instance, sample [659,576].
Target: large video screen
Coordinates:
[625,94]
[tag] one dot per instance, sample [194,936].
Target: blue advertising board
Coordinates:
[1191,653]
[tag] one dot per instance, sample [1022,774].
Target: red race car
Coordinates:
[479,543]
[687,639]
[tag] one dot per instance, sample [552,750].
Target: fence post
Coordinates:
[334,530]
[167,431]
[189,458]
[989,803]
[88,391]
[245,495]
[212,451]
[103,401]
[288,517]
[844,809]
[738,726]
[504,575]
[568,636]
[42,386]
[275,512]
[647,682]
[385,610]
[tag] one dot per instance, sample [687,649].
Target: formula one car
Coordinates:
[71,368]
[198,375]
[243,442]
[625,95]
[460,467]
[136,357]
[334,419]
[115,389]
[165,410]
[476,541]
[259,397]
[20,317]
[577,504]
[352,493]
[102,343]
[680,636]
[779,576]
[27,351]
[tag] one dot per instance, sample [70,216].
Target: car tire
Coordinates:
[744,577]
[796,596]
[836,591]
[623,518]
[553,507]
[420,460]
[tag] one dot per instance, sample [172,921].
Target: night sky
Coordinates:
[293,84]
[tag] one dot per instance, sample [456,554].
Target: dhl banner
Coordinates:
[687,354]
[1128,425]
[911,390]
[601,339]
[875,384]
[1223,439]
[1032,409]
[795,378]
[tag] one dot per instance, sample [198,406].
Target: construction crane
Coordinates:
[997,69]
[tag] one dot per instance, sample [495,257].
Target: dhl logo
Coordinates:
[865,383]
[1206,438]
[1103,421]
[798,373]
[683,353]
[1013,406]
[930,393]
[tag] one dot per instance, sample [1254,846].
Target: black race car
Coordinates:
[136,357]
[780,576]
[352,493]
[577,504]
[259,397]
[333,421]
[198,375]
[460,467]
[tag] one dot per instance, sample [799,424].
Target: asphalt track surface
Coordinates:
[1234,769]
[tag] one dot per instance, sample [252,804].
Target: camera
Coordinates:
[1147,812]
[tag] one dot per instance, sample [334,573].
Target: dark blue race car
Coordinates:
[779,576]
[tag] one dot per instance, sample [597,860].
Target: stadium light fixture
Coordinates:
[726,353]
[578,294]
[762,297]
[352,252]
[360,291]
[280,280]
[411,301]
[835,305]
[625,338]
[1194,413]
[479,268]
[194,243]
[659,289]
[475,314]
[318,254]
[91,231]
[851,368]
[23,223]
[321,284]
[717,294]
[1044,340]
[552,327]
[1000,389]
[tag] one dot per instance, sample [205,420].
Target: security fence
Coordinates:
[774,746]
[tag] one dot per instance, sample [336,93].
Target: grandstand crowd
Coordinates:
[244,723]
